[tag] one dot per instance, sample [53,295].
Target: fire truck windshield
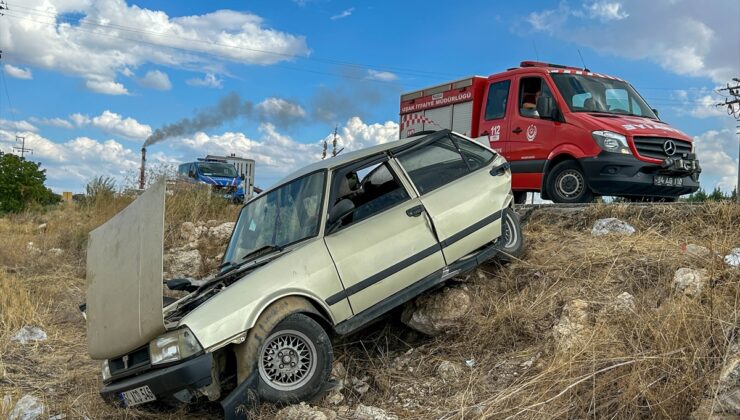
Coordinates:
[217,169]
[597,94]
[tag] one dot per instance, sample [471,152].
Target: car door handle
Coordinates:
[415,211]
[500,169]
[517,130]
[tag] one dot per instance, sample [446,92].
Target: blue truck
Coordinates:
[219,174]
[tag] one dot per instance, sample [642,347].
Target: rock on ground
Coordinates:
[611,225]
[689,281]
[449,371]
[304,411]
[27,408]
[368,412]
[574,320]
[733,258]
[29,334]
[183,263]
[192,232]
[221,232]
[728,395]
[435,312]
[624,303]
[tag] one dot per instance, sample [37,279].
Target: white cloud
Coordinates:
[716,151]
[106,87]
[18,72]
[343,14]
[606,11]
[55,122]
[280,111]
[688,37]
[113,37]
[357,135]
[209,80]
[155,79]
[383,76]
[21,125]
[115,124]
[79,119]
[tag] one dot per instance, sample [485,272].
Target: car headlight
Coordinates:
[173,346]
[106,371]
[612,142]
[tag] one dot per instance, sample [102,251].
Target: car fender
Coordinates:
[566,149]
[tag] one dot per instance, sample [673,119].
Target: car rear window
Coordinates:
[434,165]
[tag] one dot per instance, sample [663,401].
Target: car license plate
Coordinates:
[137,396]
[668,181]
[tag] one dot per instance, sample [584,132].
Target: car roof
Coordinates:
[344,158]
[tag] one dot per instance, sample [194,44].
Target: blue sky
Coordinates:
[87,81]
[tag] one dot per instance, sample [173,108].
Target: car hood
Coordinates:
[629,125]
[124,277]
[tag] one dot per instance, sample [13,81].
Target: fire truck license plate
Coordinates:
[137,396]
[668,181]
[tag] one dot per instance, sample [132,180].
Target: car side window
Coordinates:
[371,188]
[434,165]
[475,155]
[533,91]
[498,94]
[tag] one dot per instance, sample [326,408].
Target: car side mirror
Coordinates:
[340,210]
[655,111]
[191,174]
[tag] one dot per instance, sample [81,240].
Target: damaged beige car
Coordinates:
[327,251]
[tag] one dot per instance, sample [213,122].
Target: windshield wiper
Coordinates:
[261,251]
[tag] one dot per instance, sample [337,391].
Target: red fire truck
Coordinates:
[569,133]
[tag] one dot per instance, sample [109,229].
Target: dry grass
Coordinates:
[658,361]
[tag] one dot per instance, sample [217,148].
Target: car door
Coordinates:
[531,134]
[385,243]
[494,124]
[453,178]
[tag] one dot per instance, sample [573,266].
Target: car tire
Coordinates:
[566,183]
[294,362]
[511,242]
[520,197]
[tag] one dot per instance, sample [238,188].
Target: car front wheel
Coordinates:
[294,361]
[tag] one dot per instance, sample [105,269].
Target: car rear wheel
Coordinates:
[567,184]
[294,361]
[511,243]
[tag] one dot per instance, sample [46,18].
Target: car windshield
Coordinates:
[598,94]
[283,216]
[217,169]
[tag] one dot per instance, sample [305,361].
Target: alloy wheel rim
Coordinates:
[287,360]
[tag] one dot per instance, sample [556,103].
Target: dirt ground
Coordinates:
[657,357]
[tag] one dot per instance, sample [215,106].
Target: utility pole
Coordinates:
[732,103]
[21,149]
[334,142]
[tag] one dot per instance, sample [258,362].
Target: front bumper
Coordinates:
[624,175]
[167,381]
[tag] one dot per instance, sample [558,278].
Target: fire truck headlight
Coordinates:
[611,142]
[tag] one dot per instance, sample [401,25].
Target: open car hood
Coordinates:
[124,277]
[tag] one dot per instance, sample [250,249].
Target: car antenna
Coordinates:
[582,62]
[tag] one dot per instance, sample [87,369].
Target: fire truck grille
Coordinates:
[654,147]
[135,360]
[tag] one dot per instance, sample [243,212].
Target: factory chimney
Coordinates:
[142,176]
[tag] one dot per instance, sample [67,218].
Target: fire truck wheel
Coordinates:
[567,184]
[520,197]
